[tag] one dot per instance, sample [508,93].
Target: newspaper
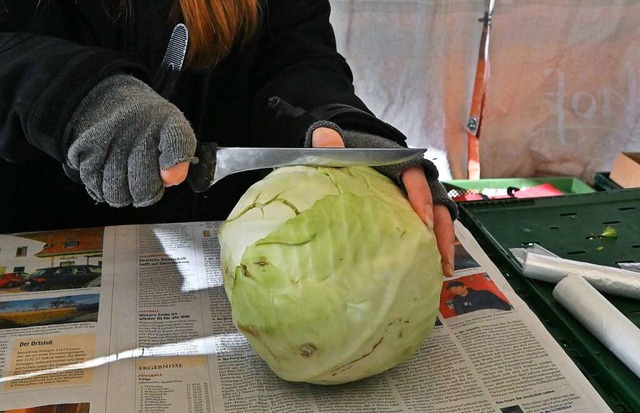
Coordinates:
[152,333]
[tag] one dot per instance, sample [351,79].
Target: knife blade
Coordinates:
[217,162]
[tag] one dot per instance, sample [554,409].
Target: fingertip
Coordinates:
[175,174]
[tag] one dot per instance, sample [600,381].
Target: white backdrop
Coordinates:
[563,95]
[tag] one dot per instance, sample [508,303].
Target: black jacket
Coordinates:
[52,52]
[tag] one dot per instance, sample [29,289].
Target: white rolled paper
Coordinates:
[601,318]
[630,266]
[604,279]
[520,254]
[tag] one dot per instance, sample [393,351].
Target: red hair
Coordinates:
[215,26]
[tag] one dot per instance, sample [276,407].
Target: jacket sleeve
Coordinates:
[296,62]
[42,81]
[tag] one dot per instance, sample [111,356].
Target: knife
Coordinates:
[217,162]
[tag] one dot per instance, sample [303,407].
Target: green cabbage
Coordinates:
[331,275]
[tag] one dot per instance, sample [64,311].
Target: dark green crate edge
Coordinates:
[602,182]
[616,384]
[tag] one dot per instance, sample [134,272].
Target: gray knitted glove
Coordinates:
[120,137]
[354,139]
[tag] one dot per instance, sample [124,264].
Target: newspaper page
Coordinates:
[55,309]
[153,333]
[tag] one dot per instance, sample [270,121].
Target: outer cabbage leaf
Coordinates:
[338,278]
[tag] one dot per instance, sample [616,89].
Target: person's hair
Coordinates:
[452,284]
[215,26]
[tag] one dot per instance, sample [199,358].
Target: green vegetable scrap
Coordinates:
[609,232]
[331,275]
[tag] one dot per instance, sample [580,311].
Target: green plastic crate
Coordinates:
[602,182]
[566,185]
[565,225]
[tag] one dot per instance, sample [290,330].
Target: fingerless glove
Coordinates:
[120,137]
[355,139]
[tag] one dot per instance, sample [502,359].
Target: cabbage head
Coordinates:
[331,275]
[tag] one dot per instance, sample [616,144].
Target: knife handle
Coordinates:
[201,174]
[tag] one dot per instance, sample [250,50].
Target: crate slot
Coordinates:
[629,208]
[576,252]
[610,222]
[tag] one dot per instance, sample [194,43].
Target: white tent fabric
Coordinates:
[563,98]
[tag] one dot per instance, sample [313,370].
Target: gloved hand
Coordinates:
[120,138]
[419,178]
[355,139]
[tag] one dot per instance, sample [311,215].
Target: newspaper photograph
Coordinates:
[136,319]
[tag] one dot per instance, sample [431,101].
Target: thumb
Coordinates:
[326,138]
[174,175]
[177,148]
